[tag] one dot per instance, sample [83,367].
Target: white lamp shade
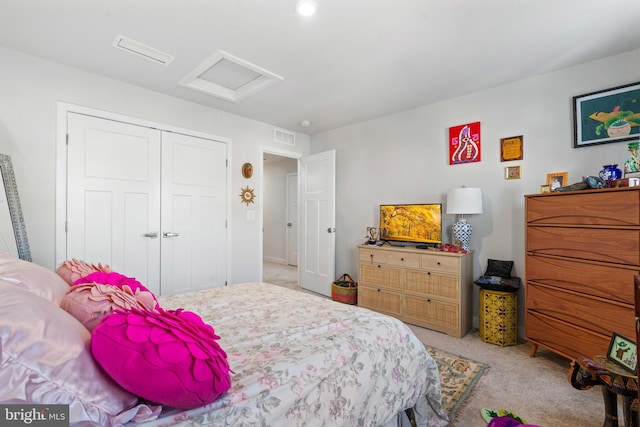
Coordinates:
[464,201]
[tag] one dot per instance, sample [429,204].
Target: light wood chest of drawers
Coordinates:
[425,288]
[582,252]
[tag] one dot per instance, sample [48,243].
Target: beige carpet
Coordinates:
[536,389]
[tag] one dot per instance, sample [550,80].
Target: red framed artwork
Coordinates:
[464,143]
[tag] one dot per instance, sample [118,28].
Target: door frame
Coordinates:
[63,109]
[284,153]
[288,231]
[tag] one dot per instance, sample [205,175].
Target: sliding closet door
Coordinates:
[194,245]
[113,196]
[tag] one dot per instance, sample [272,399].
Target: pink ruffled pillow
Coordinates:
[167,357]
[74,269]
[115,279]
[90,302]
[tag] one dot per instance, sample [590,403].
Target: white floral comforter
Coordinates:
[303,360]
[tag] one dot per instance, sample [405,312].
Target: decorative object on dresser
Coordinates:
[422,287]
[582,253]
[609,173]
[556,180]
[463,201]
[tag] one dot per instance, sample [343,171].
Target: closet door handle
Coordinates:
[152,235]
[169,234]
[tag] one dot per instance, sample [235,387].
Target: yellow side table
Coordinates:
[498,317]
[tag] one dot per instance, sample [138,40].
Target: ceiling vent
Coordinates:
[147,52]
[228,77]
[284,136]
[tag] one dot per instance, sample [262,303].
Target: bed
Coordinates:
[297,359]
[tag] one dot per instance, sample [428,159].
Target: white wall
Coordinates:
[29,90]
[275,208]
[403,158]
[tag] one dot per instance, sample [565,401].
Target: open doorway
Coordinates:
[280,220]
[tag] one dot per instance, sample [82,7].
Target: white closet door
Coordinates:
[194,246]
[113,196]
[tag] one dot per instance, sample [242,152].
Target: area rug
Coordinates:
[458,376]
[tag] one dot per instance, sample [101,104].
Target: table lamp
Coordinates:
[463,201]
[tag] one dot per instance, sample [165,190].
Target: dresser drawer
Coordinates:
[426,283]
[608,282]
[380,300]
[589,313]
[373,256]
[564,338]
[442,263]
[381,276]
[596,244]
[404,259]
[421,310]
[588,208]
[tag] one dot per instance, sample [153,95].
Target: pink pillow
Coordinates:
[115,279]
[46,358]
[73,269]
[167,357]
[90,302]
[33,277]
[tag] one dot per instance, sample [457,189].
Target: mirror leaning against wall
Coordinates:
[13,234]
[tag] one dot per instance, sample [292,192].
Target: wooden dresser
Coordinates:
[582,252]
[425,288]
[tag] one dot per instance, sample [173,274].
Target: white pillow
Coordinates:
[33,277]
[46,358]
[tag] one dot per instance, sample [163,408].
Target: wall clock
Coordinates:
[247,195]
[247,170]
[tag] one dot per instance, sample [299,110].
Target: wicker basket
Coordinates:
[345,290]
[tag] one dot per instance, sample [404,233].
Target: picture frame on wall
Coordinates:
[512,172]
[511,148]
[623,352]
[464,144]
[605,116]
[556,180]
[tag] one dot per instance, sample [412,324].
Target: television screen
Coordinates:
[418,223]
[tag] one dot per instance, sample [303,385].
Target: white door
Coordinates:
[317,202]
[113,196]
[292,219]
[117,195]
[194,245]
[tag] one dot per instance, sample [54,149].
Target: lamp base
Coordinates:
[462,232]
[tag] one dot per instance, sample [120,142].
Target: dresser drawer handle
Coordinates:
[401,259]
[438,262]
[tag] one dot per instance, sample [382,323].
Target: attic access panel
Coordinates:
[229,77]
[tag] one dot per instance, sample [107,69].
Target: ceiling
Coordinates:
[354,60]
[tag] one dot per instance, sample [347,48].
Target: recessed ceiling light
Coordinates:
[306,7]
[305,123]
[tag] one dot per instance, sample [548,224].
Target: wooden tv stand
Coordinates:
[422,287]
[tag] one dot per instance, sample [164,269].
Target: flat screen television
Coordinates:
[415,223]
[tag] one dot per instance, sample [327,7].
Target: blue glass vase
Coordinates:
[609,173]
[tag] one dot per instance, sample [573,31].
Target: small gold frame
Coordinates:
[512,172]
